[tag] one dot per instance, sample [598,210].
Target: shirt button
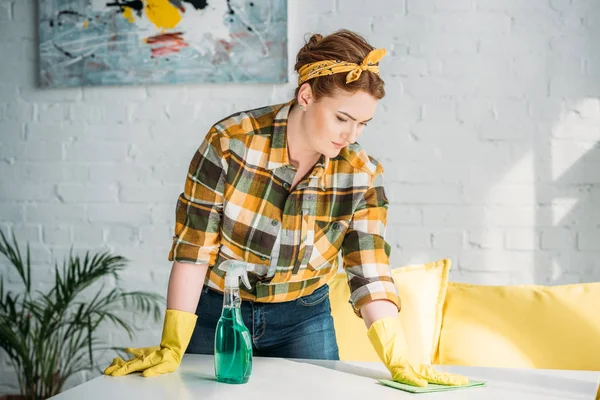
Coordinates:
[274,222]
[335,226]
[286,186]
[263,258]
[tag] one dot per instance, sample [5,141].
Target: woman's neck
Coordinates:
[300,154]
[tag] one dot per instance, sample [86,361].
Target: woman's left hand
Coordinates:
[388,340]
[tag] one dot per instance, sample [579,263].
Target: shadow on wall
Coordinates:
[502,161]
[567,152]
[557,140]
[569,206]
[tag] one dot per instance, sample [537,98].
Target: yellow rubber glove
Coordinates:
[387,338]
[135,352]
[177,332]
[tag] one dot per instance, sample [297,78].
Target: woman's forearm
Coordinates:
[185,286]
[378,309]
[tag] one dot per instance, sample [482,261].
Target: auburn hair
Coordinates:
[343,45]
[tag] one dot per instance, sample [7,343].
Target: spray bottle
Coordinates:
[233,346]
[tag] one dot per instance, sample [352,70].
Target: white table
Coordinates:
[277,378]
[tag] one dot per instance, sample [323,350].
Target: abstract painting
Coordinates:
[136,42]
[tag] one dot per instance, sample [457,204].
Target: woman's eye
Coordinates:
[341,119]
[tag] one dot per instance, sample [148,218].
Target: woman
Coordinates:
[286,188]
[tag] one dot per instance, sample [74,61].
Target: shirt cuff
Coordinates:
[379,290]
[189,253]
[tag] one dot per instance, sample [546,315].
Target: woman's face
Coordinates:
[334,122]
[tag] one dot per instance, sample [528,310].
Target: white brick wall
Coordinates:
[490,132]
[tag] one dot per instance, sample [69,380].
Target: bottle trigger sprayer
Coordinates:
[233,345]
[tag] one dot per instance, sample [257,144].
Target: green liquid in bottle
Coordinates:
[233,348]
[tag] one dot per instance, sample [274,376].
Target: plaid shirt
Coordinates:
[237,204]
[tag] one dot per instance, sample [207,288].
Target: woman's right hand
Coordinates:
[136,352]
[177,332]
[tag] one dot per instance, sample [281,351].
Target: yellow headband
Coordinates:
[329,67]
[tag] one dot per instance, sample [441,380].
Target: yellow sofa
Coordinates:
[521,326]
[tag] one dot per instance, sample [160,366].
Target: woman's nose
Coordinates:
[351,136]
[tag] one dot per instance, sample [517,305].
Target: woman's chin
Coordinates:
[332,152]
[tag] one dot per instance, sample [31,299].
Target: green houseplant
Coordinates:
[49,336]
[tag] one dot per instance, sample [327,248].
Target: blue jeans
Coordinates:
[301,328]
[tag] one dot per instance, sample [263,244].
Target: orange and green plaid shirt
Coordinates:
[237,204]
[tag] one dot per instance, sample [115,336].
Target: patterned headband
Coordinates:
[329,67]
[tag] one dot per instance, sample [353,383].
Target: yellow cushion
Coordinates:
[422,289]
[525,326]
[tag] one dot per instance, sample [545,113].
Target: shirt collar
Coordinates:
[278,154]
[321,166]
[319,171]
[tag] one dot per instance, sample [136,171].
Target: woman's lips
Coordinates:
[338,145]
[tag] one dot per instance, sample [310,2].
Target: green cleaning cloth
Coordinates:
[430,387]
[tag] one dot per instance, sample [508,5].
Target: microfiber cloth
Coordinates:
[430,388]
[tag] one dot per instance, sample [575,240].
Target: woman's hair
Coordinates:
[343,45]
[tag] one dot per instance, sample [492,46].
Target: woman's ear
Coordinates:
[305,95]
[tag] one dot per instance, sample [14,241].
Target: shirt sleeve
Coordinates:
[199,208]
[365,251]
